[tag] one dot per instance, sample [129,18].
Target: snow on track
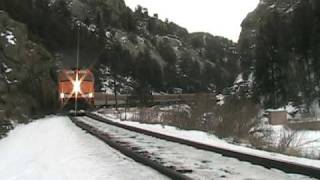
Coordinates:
[212,140]
[204,164]
[55,149]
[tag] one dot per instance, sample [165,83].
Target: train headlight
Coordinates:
[90,95]
[77,86]
[61,95]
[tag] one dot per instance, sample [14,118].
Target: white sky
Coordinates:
[218,17]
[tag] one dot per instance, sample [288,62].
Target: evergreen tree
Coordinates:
[269,72]
[2,5]
[148,71]
[128,21]
[167,53]
[190,73]
[302,27]
[138,11]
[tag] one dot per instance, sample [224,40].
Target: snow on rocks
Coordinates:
[307,141]
[108,34]
[92,28]
[9,36]
[54,148]
[220,99]
[272,6]
[239,79]
[6,68]
[51,2]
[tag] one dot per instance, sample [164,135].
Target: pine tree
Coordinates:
[302,29]
[269,72]
[2,5]
[167,53]
[128,21]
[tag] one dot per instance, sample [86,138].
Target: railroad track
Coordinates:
[129,151]
[171,156]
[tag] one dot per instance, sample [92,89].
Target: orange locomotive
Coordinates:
[76,86]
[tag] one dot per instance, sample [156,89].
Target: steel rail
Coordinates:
[288,167]
[128,152]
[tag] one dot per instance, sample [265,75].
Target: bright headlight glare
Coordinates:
[76,86]
[61,95]
[90,95]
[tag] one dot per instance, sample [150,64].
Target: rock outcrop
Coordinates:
[27,75]
[280,43]
[158,55]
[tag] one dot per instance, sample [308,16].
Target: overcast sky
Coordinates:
[218,17]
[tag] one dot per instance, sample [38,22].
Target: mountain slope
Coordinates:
[280,43]
[156,55]
[26,75]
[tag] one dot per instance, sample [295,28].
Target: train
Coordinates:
[107,100]
[77,87]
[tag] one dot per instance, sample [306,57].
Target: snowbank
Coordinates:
[55,149]
[210,139]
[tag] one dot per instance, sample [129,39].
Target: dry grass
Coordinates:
[307,125]
[236,117]
[175,117]
[233,119]
[148,115]
[289,142]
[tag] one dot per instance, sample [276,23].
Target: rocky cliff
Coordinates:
[120,44]
[26,75]
[280,43]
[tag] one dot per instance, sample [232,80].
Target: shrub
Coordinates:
[5,127]
[236,117]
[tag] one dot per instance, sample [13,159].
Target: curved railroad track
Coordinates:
[108,131]
[129,151]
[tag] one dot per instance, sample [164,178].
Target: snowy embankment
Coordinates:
[209,139]
[199,164]
[306,140]
[54,148]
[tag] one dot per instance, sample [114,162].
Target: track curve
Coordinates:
[128,152]
[284,166]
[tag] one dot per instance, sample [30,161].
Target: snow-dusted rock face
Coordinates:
[250,26]
[172,56]
[279,42]
[25,81]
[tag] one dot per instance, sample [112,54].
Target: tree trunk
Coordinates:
[115,92]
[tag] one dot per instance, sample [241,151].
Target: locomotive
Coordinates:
[76,87]
[77,91]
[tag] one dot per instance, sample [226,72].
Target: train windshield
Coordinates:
[71,75]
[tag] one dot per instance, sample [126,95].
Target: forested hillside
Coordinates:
[280,44]
[135,51]
[27,75]
[275,62]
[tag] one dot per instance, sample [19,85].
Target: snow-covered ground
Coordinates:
[307,141]
[210,139]
[53,148]
[203,165]
[9,36]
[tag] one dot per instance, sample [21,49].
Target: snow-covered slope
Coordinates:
[210,139]
[204,165]
[55,149]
